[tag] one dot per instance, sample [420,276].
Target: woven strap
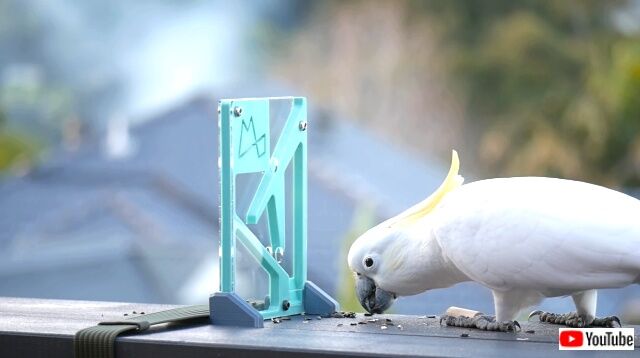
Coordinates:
[99,341]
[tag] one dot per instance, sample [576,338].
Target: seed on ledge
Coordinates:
[354,324]
[464,335]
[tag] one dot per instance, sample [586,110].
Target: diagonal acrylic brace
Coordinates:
[245,147]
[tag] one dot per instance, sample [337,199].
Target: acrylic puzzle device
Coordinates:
[263,182]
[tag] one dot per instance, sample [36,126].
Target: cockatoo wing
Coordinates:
[550,235]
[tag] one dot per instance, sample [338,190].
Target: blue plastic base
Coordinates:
[318,302]
[228,309]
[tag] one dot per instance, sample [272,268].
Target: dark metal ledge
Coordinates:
[45,328]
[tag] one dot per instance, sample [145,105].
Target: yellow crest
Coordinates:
[414,213]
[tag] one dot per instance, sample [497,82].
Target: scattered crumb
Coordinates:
[431,316]
[422,317]
[531,331]
[319,317]
[389,320]
[126,314]
[464,335]
[141,312]
[368,314]
[340,314]
[354,324]
[522,339]
[276,320]
[339,324]
[383,327]
[305,321]
[362,322]
[400,327]
[134,312]
[373,320]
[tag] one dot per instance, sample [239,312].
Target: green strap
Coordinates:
[99,341]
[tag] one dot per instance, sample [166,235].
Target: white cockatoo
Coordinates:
[524,238]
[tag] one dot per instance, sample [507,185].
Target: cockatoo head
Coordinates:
[367,259]
[384,258]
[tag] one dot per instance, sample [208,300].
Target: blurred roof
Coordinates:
[129,229]
[137,228]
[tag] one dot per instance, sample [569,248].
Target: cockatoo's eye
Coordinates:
[368,261]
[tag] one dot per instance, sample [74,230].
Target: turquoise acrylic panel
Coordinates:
[263,182]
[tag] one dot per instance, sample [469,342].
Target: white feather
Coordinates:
[550,236]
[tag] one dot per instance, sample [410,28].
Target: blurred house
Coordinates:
[135,217]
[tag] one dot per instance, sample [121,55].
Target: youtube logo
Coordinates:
[598,339]
[571,338]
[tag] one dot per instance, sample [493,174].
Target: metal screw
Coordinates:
[279,254]
[302,125]
[237,111]
[285,305]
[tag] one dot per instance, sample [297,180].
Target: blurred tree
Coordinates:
[366,61]
[551,85]
[533,87]
[364,218]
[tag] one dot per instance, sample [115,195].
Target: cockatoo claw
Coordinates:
[573,319]
[606,322]
[533,314]
[516,324]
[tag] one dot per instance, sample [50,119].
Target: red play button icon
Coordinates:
[571,338]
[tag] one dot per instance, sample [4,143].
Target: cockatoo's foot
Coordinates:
[572,319]
[483,322]
[610,321]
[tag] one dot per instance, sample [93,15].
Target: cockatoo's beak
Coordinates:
[373,298]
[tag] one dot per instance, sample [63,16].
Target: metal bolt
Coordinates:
[285,305]
[237,111]
[302,125]
[278,254]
